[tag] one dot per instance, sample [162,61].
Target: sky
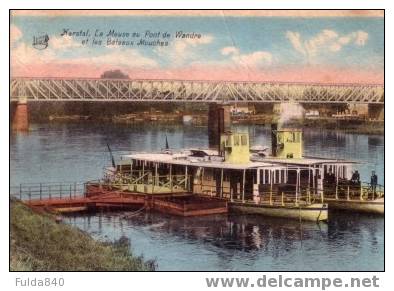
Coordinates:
[284,48]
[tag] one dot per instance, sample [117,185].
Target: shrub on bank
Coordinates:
[39,243]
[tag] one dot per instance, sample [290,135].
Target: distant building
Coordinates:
[242,109]
[311,114]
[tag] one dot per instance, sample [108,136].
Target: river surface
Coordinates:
[78,152]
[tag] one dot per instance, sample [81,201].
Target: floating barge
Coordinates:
[192,205]
[102,196]
[187,171]
[283,184]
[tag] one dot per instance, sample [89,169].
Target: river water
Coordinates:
[78,152]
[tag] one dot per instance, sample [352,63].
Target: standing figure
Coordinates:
[329,182]
[374,182]
[357,177]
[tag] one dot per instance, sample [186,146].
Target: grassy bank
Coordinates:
[39,243]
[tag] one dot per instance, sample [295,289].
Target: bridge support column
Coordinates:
[20,121]
[376,111]
[219,121]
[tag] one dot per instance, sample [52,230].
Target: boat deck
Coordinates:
[99,197]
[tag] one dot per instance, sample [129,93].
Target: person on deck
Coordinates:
[330,177]
[356,178]
[374,182]
[329,182]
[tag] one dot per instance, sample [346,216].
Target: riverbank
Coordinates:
[373,127]
[134,113]
[38,242]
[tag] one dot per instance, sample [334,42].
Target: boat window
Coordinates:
[236,140]
[244,140]
[294,137]
[297,137]
[290,137]
[199,154]
[266,180]
[207,175]
[279,138]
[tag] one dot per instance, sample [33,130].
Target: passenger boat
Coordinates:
[283,184]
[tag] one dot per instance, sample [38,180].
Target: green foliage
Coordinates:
[114,74]
[39,243]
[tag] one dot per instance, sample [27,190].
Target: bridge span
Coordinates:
[67,89]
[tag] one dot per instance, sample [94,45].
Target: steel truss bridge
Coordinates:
[51,89]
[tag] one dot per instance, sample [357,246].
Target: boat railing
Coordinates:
[210,189]
[147,177]
[305,196]
[354,191]
[275,195]
[126,176]
[147,183]
[40,191]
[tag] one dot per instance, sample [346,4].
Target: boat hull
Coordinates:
[364,206]
[313,212]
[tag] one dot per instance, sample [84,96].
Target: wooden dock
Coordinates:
[97,197]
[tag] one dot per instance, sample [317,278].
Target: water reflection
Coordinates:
[243,242]
[375,141]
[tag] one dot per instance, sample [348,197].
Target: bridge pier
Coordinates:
[219,121]
[20,121]
[376,111]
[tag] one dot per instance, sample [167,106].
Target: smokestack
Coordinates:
[219,121]
[274,142]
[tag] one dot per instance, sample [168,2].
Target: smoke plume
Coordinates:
[290,112]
